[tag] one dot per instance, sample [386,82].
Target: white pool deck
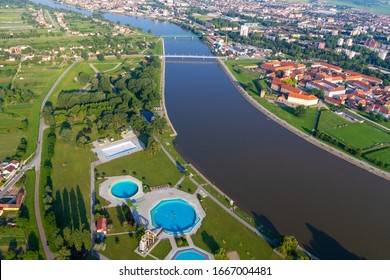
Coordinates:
[105,192]
[151,199]
[107,150]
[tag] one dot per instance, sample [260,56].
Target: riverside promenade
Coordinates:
[385,175]
[162,90]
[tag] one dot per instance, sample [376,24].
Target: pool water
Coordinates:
[124,189]
[189,254]
[174,216]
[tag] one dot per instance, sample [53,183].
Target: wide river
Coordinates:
[336,210]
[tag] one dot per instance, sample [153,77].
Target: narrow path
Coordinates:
[94,68]
[359,163]
[119,64]
[16,74]
[37,162]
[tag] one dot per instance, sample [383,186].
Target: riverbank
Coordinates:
[309,138]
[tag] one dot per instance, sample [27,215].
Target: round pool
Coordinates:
[124,189]
[174,216]
[189,254]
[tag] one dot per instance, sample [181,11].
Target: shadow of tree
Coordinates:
[13,245]
[24,212]
[210,242]
[82,209]
[324,246]
[33,241]
[66,215]
[74,209]
[120,215]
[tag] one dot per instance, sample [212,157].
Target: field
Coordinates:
[382,155]
[304,123]
[359,135]
[10,19]
[9,134]
[11,239]
[162,249]
[242,77]
[121,247]
[7,71]
[188,186]
[71,184]
[220,230]
[151,170]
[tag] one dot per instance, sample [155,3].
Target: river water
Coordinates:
[336,210]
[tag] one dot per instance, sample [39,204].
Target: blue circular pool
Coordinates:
[124,189]
[189,254]
[174,216]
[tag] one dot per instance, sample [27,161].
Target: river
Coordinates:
[335,209]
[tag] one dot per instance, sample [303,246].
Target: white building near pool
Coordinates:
[107,150]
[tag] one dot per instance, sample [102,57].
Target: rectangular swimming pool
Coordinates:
[118,149]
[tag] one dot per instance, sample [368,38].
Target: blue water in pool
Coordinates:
[190,254]
[124,189]
[174,215]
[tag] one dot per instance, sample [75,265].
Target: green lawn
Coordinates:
[31,229]
[162,249]
[359,135]
[188,186]
[104,67]
[241,76]
[71,184]
[304,123]
[10,135]
[151,170]
[117,217]
[121,247]
[220,230]
[11,239]
[382,155]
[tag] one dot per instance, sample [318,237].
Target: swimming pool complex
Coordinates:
[124,189]
[189,254]
[174,216]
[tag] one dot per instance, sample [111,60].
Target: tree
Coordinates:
[63,254]
[221,254]
[100,57]
[153,147]
[299,111]
[85,55]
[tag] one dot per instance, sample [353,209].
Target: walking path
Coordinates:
[312,140]
[37,160]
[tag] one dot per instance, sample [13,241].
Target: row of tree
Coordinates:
[10,95]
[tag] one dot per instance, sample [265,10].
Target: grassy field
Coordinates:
[382,155]
[242,77]
[162,249]
[38,78]
[151,170]
[220,230]
[7,71]
[71,184]
[11,239]
[359,135]
[121,247]
[304,123]
[31,229]
[188,186]
[9,134]
[10,19]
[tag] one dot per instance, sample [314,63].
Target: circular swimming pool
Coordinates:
[124,189]
[189,254]
[174,216]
